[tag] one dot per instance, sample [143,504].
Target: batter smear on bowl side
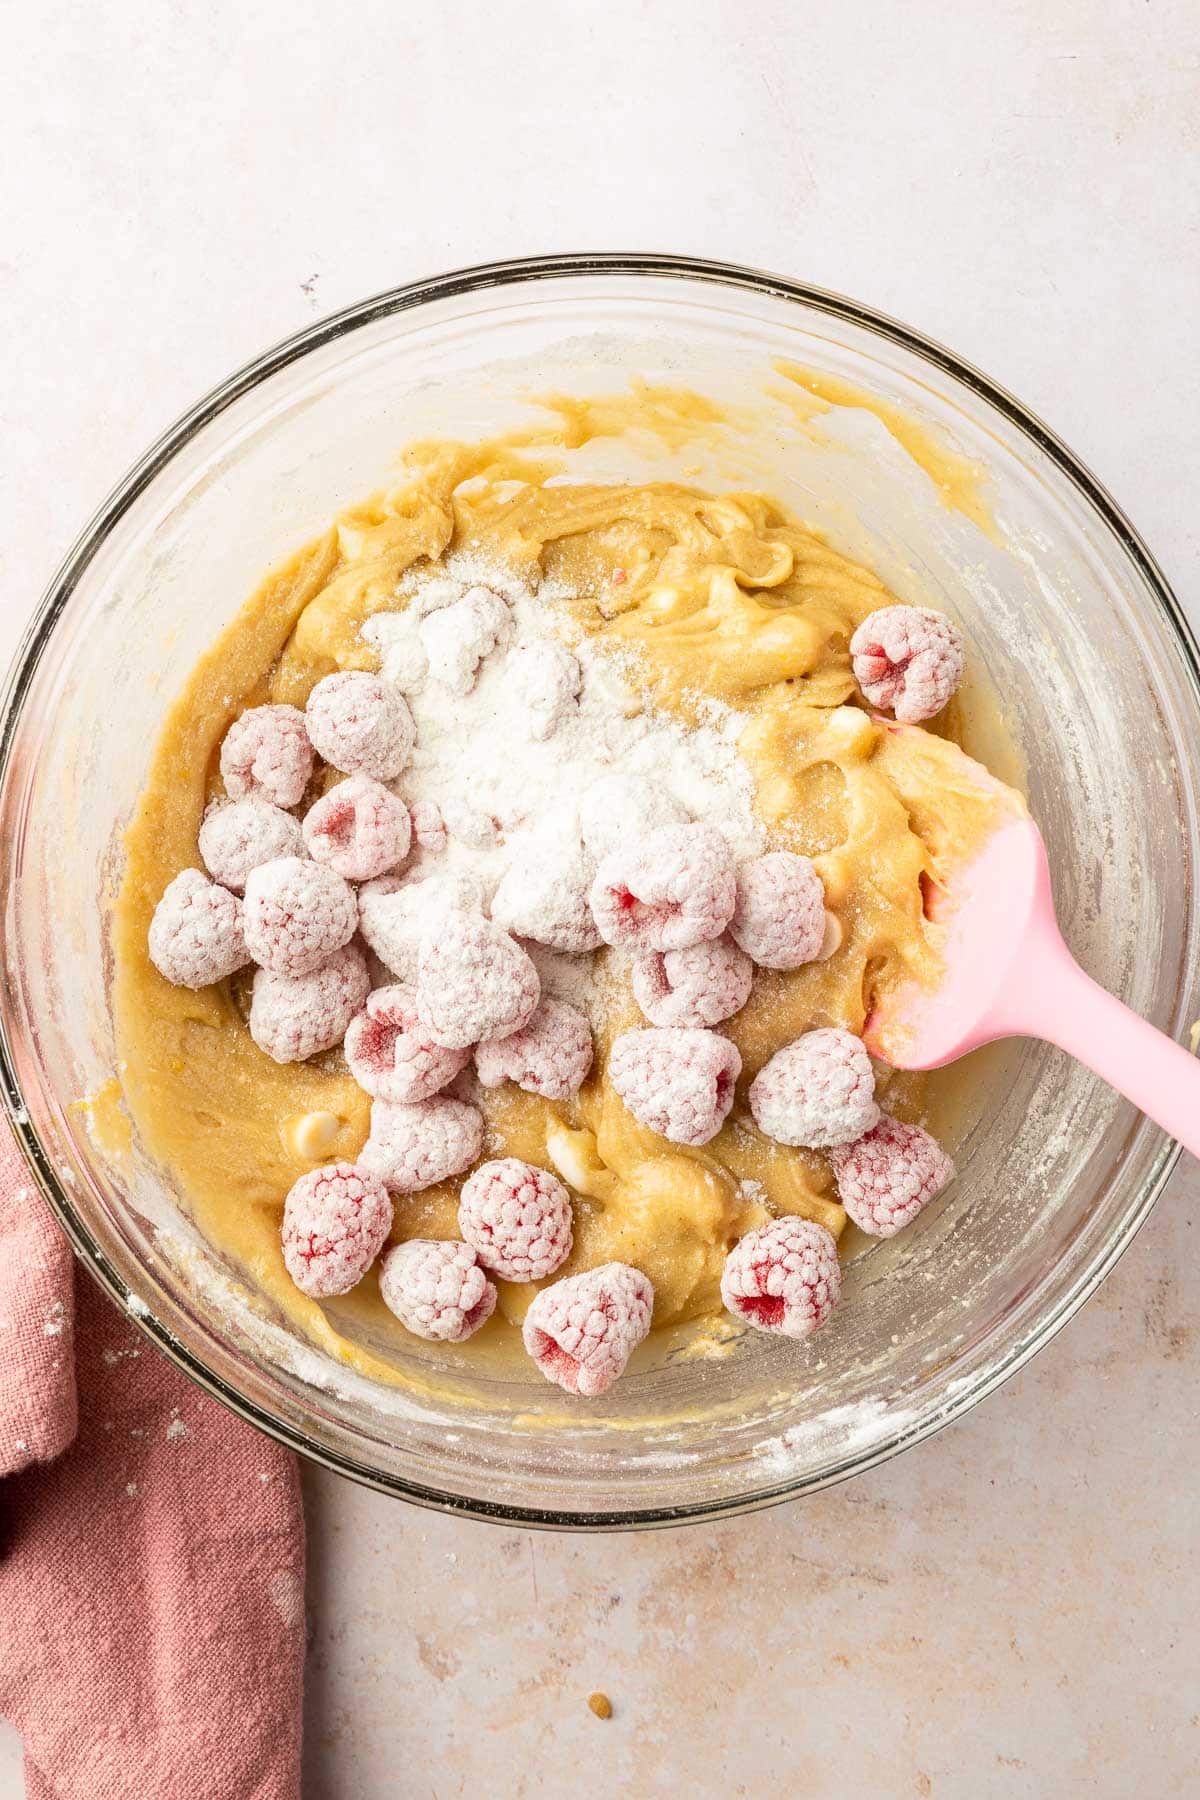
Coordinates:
[546,843]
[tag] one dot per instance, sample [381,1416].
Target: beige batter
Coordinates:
[725,597]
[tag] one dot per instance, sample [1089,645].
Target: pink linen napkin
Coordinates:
[151,1551]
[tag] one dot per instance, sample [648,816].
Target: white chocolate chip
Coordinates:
[311,1135]
[833,937]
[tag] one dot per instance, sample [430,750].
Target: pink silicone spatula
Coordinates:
[1008,973]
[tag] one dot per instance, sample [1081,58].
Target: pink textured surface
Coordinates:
[428,826]
[412,1147]
[197,934]
[360,829]
[360,724]
[335,1223]
[817,1091]
[785,1277]
[152,1580]
[436,1289]
[582,1331]
[551,1055]
[236,836]
[297,914]
[908,660]
[473,982]
[885,1177]
[699,986]
[391,1057]
[267,753]
[293,1017]
[779,919]
[677,1083]
[668,889]
[517,1218]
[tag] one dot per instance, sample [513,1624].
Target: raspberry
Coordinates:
[817,1091]
[436,1289]
[550,1056]
[237,835]
[547,679]
[779,919]
[396,912]
[196,934]
[412,1147]
[673,887]
[784,1277]
[391,1057]
[616,808]
[468,824]
[457,637]
[677,1083]
[698,986]
[544,894]
[335,1223]
[582,1331]
[293,1017]
[359,829]
[473,982]
[517,1219]
[428,826]
[402,660]
[297,915]
[887,1176]
[908,658]
[267,753]
[361,724]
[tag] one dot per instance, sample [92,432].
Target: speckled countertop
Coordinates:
[1012,1608]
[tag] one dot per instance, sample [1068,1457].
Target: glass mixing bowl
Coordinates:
[1071,626]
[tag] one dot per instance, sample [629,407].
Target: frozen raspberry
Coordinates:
[779,919]
[674,887]
[517,1219]
[402,661]
[436,1289]
[677,1083]
[335,1223]
[547,678]
[784,1277]
[361,724]
[196,934]
[694,987]
[428,826]
[457,637]
[582,1331]
[887,1176]
[544,893]
[473,982]
[293,1017]
[237,835]
[395,913]
[359,829]
[412,1147]
[550,1056]
[297,915]
[817,1091]
[391,1057]
[617,808]
[267,753]
[909,659]
[469,824]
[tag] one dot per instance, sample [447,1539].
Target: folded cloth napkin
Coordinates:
[151,1551]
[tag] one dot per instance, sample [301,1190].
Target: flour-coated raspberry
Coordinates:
[908,659]
[428,826]
[436,1289]
[779,919]
[543,894]
[517,1219]
[785,1277]
[397,912]
[581,1331]
[817,1091]
[673,887]
[359,829]
[547,678]
[391,1057]
[197,932]
[694,987]
[616,808]
[885,1177]
[677,1083]
[267,753]
[335,1222]
[457,637]
[297,914]
[412,1147]
[237,835]
[473,982]
[551,1055]
[469,824]
[293,1017]
[361,724]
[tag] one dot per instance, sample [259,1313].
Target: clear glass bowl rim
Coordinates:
[401,299]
